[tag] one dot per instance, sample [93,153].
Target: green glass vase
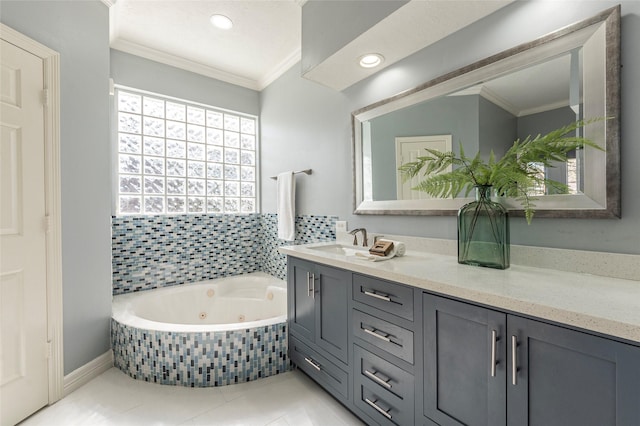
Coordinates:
[483,232]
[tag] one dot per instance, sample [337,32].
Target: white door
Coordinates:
[23,285]
[408,149]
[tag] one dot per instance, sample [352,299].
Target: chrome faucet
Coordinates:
[365,242]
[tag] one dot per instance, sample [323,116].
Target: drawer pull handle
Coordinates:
[377,408]
[494,340]
[378,296]
[313,364]
[377,379]
[311,285]
[514,360]
[379,336]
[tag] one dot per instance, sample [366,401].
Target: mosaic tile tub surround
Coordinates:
[158,251]
[309,229]
[200,359]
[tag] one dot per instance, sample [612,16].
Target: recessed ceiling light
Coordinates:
[221,21]
[371,60]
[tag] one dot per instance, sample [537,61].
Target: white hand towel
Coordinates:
[399,249]
[286,206]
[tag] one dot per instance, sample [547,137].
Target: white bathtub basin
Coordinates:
[231,303]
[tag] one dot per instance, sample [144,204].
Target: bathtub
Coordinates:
[211,333]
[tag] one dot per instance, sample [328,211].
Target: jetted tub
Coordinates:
[211,333]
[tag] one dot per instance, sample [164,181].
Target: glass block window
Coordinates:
[179,157]
[540,187]
[572,175]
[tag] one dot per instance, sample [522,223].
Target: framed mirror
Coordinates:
[568,75]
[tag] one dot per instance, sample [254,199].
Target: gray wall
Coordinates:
[79,31]
[497,129]
[312,127]
[144,74]
[544,122]
[305,125]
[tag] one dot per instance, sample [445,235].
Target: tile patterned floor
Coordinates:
[113,398]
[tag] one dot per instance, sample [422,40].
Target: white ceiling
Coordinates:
[263,43]
[266,37]
[536,88]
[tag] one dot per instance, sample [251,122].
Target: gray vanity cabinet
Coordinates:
[484,367]
[566,377]
[397,355]
[318,307]
[465,367]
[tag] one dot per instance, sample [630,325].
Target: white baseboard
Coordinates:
[87,372]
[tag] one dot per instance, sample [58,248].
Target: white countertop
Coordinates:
[607,305]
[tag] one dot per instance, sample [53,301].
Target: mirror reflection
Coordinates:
[483,118]
[569,75]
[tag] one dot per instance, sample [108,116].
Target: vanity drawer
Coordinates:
[389,337]
[390,297]
[376,372]
[318,367]
[382,406]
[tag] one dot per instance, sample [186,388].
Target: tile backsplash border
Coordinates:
[159,251]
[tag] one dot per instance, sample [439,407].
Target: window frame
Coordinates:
[115,168]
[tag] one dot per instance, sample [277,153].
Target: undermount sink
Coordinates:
[340,249]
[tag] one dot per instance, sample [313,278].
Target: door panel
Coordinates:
[459,388]
[301,300]
[23,376]
[569,378]
[332,290]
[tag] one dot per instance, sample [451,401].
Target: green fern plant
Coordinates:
[513,175]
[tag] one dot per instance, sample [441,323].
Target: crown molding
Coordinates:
[544,108]
[185,64]
[280,69]
[108,3]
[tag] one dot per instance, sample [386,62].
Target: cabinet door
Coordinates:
[331,289]
[566,378]
[301,299]
[464,363]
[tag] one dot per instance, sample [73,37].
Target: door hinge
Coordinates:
[48,350]
[47,224]
[45,97]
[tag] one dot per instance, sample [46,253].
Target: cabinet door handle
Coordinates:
[311,285]
[514,360]
[377,408]
[313,364]
[494,341]
[373,333]
[377,379]
[384,297]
